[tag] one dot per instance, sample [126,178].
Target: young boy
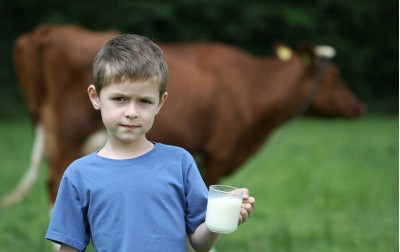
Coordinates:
[133,194]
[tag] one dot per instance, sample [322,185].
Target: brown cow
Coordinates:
[223,102]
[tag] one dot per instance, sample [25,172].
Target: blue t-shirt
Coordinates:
[147,203]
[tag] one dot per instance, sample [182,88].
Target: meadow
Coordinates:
[320,185]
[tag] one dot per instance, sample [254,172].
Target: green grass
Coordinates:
[319,186]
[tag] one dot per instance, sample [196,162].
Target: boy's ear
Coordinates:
[162,101]
[94,97]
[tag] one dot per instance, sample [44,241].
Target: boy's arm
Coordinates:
[204,240]
[66,248]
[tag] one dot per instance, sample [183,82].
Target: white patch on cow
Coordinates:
[325,51]
[94,142]
[31,174]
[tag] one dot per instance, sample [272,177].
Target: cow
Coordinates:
[223,101]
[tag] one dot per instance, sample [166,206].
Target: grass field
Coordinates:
[329,186]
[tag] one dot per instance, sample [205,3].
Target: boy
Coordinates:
[133,194]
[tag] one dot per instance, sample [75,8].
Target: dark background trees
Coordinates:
[365,33]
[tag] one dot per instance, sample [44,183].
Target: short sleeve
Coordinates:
[68,223]
[196,198]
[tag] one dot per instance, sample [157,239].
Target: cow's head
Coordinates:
[332,97]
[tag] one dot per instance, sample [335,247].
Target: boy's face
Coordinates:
[128,109]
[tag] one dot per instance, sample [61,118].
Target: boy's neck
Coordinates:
[125,150]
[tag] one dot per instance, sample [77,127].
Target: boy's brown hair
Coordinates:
[129,57]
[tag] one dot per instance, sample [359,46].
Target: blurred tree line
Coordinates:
[365,33]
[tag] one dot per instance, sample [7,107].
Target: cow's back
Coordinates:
[223,102]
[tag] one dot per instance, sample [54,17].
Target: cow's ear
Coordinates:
[94,97]
[325,51]
[311,53]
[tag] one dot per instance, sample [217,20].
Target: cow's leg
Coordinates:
[56,247]
[53,180]
[32,173]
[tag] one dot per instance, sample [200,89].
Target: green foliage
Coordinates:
[319,186]
[365,33]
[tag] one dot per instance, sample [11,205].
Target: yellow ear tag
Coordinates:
[284,53]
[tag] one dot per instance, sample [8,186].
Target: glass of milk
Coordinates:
[223,208]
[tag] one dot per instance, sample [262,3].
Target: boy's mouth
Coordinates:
[129,126]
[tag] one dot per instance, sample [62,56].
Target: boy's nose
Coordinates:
[131,110]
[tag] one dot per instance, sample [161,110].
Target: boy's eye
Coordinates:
[146,101]
[118,99]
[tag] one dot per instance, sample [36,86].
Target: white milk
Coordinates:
[223,214]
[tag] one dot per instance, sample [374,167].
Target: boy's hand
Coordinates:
[247,206]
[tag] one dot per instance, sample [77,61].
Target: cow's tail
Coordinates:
[31,174]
